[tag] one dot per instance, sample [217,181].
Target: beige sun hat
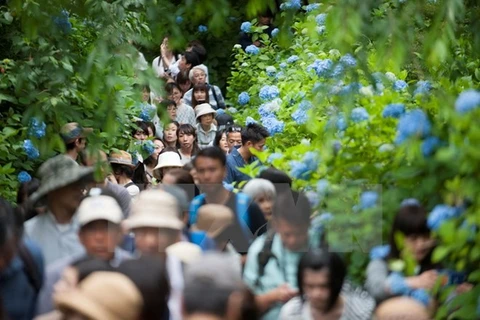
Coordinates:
[154,208]
[59,172]
[99,207]
[203,109]
[185,251]
[72,131]
[121,157]
[169,159]
[103,296]
[213,219]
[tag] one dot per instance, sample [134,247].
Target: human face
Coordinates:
[265,202]
[182,64]
[223,144]
[68,197]
[316,287]
[159,146]
[81,144]
[140,135]
[419,245]
[186,140]
[294,238]
[234,139]
[169,179]
[199,77]
[210,173]
[100,238]
[200,95]
[170,133]
[207,119]
[145,95]
[154,241]
[176,96]
[259,146]
[264,21]
[172,112]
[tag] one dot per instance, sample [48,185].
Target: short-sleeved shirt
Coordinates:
[235,161]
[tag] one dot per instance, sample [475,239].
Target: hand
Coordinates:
[284,293]
[426,280]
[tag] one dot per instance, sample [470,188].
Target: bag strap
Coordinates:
[30,268]
[131,183]
[215,97]
[265,255]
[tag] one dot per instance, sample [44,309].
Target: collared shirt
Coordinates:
[235,161]
[211,97]
[57,241]
[205,138]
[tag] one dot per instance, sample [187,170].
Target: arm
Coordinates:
[376,279]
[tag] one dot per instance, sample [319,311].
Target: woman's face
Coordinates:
[145,95]
[316,288]
[206,119]
[200,95]
[223,144]
[186,140]
[158,148]
[176,96]
[170,133]
[172,112]
[419,245]
[169,179]
[199,77]
[140,135]
[265,202]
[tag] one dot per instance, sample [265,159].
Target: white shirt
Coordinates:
[159,68]
[175,274]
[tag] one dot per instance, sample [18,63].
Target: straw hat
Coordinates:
[99,207]
[154,208]
[203,109]
[169,159]
[58,172]
[121,157]
[213,219]
[72,131]
[103,296]
[185,251]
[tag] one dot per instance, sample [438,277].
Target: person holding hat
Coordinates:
[206,129]
[167,161]
[99,216]
[74,137]
[123,168]
[62,188]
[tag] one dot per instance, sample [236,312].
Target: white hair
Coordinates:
[258,187]
[201,67]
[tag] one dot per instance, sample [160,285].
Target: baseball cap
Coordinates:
[99,207]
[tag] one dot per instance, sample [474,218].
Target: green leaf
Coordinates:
[440,253]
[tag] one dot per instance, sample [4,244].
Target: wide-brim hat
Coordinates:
[72,131]
[168,159]
[214,219]
[59,172]
[203,109]
[121,157]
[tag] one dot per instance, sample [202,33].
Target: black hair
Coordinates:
[151,126]
[87,265]
[218,137]
[172,85]
[275,176]
[212,153]
[182,78]
[254,132]
[188,129]
[122,169]
[71,145]
[182,176]
[318,259]
[8,225]
[164,128]
[199,49]
[139,177]
[140,126]
[26,189]
[166,103]
[293,207]
[215,302]
[149,274]
[199,87]
[191,58]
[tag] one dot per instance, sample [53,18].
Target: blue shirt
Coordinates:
[235,161]
[18,295]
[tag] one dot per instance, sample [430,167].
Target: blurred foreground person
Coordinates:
[263,193]
[401,308]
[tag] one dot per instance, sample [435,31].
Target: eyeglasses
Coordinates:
[234,129]
[171,108]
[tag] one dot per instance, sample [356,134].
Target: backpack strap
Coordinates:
[265,255]
[131,183]
[242,206]
[219,106]
[30,268]
[197,202]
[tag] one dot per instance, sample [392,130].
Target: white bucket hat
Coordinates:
[99,207]
[203,109]
[156,209]
[169,159]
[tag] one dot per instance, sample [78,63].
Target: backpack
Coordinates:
[219,105]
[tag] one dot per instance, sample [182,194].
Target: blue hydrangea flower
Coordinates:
[283,65]
[467,100]
[300,116]
[274,156]
[275,32]
[273,125]
[341,123]
[313,198]
[421,295]
[147,112]
[36,128]
[422,87]
[24,177]
[62,22]
[267,109]
[30,150]
[232,110]
[311,159]
[348,60]
[440,214]
[243,98]
[359,114]
[320,29]
[220,111]
[293,59]
[322,67]
[246,27]
[271,70]
[397,284]
[368,199]
[179,19]
[337,73]
[379,252]
[322,186]
[149,147]
[413,123]
[312,6]
[202,28]
[321,18]
[400,85]
[291,5]
[393,110]
[429,145]
[249,120]
[269,92]
[252,49]
[299,170]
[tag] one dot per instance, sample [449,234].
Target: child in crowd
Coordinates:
[206,129]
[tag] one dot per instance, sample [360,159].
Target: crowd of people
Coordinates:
[181,233]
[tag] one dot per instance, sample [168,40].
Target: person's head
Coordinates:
[174,92]
[9,235]
[224,120]
[190,168]
[26,189]
[215,220]
[265,18]
[411,222]
[149,273]
[122,164]
[291,216]
[403,308]
[200,94]
[197,47]
[141,131]
[198,75]
[170,133]
[205,114]
[146,94]
[234,136]
[187,138]
[152,160]
[168,160]
[183,81]
[320,278]
[188,60]
[254,136]
[210,166]
[75,136]
[178,176]
[277,177]
[183,192]
[221,141]
[171,107]
[99,216]
[263,193]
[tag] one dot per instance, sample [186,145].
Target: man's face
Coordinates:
[69,197]
[81,144]
[154,241]
[100,238]
[293,237]
[234,139]
[210,173]
[316,288]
